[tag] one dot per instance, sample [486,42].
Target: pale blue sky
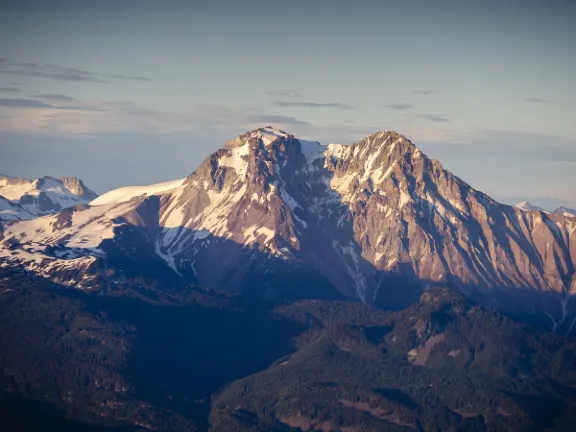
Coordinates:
[144,90]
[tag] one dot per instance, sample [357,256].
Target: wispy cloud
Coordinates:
[285,93]
[56,115]
[399,107]
[333,105]
[223,117]
[125,77]
[60,73]
[531,100]
[9,90]
[60,114]
[18,103]
[55,97]
[23,103]
[537,100]
[430,117]
[424,92]
[50,72]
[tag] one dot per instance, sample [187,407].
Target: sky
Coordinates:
[130,92]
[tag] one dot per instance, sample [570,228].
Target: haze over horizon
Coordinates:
[136,92]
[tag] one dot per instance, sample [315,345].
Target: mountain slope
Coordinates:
[133,356]
[127,193]
[444,364]
[377,221]
[45,195]
[148,355]
[12,212]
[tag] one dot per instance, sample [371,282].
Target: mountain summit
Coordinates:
[274,216]
[565,211]
[44,195]
[528,206]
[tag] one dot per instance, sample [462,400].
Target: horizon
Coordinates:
[119,96]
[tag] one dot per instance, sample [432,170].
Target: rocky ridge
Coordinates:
[377,221]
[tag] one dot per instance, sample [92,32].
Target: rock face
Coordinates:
[271,214]
[45,195]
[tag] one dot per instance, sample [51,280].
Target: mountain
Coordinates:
[527,206]
[143,355]
[565,211]
[132,357]
[273,216]
[12,212]
[562,211]
[443,364]
[45,195]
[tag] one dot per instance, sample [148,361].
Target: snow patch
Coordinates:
[404,198]
[129,192]
[237,159]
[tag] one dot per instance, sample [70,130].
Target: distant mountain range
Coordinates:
[273,216]
[22,199]
[562,211]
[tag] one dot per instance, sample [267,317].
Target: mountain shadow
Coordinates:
[226,266]
[140,353]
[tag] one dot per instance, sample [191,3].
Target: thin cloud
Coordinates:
[60,76]
[531,100]
[285,93]
[54,97]
[430,117]
[274,118]
[9,90]
[399,107]
[435,118]
[23,103]
[423,92]
[59,73]
[334,105]
[101,117]
[219,116]
[124,77]
[38,104]
[537,100]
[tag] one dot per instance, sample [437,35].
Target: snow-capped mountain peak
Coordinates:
[527,206]
[45,195]
[376,220]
